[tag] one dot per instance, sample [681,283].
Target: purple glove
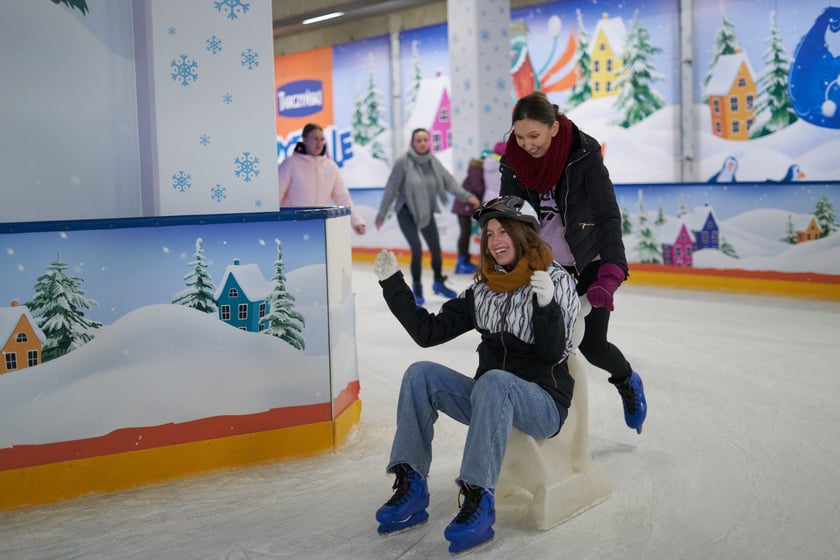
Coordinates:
[600,292]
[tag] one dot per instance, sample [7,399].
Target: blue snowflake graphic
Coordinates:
[181,181]
[234,8]
[172,31]
[214,45]
[250,59]
[502,84]
[186,70]
[227,98]
[467,85]
[204,140]
[245,166]
[258,203]
[218,193]
[485,35]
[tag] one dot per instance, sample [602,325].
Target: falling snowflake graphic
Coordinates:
[181,181]
[234,8]
[214,45]
[227,99]
[172,31]
[204,140]
[245,166]
[258,203]
[186,70]
[250,59]
[218,192]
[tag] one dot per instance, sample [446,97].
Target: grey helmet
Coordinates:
[510,207]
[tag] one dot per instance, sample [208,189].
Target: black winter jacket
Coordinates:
[585,198]
[538,362]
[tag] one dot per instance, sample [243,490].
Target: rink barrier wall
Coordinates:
[127,457]
[789,284]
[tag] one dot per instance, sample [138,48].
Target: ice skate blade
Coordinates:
[386,530]
[455,551]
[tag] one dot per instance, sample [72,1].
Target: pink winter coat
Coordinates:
[307,180]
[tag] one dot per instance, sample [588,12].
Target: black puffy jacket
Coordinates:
[586,200]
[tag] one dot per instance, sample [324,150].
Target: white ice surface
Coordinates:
[739,457]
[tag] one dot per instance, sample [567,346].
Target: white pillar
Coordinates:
[479,60]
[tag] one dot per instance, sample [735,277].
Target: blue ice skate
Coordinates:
[441,289]
[633,397]
[474,523]
[407,507]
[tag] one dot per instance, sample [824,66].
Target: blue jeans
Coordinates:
[491,406]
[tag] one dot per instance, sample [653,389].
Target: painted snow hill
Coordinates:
[160,375]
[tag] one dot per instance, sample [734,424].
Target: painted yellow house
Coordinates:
[808,230]
[606,50]
[731,93]
[20,337]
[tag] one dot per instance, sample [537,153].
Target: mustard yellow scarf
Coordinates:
[518,276]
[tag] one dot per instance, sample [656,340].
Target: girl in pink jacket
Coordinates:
[309,178]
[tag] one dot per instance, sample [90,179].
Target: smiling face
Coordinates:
[315,142]
[500,244]
[534,136]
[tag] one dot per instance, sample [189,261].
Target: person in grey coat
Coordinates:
[418,181]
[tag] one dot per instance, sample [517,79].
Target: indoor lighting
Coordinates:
[323,18]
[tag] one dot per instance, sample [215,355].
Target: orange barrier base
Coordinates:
[53,482]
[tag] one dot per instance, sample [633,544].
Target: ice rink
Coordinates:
[739,457]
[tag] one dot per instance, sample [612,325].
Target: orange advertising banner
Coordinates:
[303,90]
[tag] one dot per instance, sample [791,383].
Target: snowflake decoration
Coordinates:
[467,85]
[227,98]
[172,31]
[485,35]
[250,59]
[186,70]
[501,84]
[258,203]
[214,45]
[181,181]
[234,8]
[218,193]
[204,140]
[246,166]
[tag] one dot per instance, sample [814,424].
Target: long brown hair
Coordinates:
[526,241]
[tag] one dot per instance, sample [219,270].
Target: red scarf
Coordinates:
[542,174]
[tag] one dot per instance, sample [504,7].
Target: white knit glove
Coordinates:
[385,265]
[543,287]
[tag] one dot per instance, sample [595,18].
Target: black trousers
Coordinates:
[430,233]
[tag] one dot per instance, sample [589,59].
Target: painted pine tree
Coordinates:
[660,214]
[416,80]
[626,222]
[582,90]
[58,307]
[283,320]
[826,218]
[648,249]
[682,210]
[774,107]
[725,43]
[727,248]
[368,119]
[200,291]
[636,99]
[790,232]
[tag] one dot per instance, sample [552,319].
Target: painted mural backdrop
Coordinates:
[766,91]
[346,90]
[146,327]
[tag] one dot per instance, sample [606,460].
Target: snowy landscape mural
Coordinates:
[160,319]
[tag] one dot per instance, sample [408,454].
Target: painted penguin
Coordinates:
[814,80]
[727,172]
[794,173]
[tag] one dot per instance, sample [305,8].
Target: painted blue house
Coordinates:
[242,297]
[703,226]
